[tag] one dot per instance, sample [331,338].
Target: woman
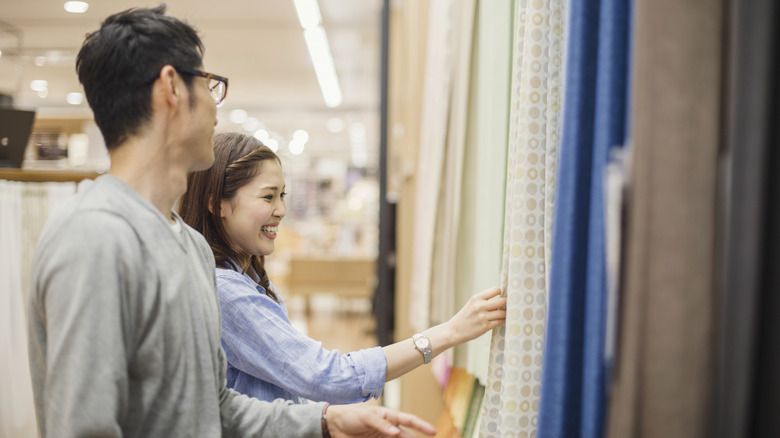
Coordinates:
[237,205]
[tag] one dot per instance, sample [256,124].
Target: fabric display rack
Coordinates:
[613,166]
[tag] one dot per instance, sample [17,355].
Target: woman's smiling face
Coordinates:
[252,217]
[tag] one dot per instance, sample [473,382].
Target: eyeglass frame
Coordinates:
[203,74]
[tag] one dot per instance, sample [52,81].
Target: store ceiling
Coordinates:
[258,44]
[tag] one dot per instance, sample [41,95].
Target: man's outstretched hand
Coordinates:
[373,421]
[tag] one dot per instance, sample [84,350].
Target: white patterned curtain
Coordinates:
[511,403]
[24,208]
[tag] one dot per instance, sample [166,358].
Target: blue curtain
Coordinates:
[573,400]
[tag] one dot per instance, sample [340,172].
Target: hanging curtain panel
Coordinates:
[24,208]
[594,120]
[439,66]
[480,242]
[663,384]
[17,416]
[440,166]
[447,234]
[511,403]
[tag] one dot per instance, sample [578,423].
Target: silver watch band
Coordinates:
[423,345]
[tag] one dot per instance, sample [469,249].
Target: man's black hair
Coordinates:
[118,63]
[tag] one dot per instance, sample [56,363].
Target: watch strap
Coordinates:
[426,351]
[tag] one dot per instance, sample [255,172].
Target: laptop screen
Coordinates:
[15,129]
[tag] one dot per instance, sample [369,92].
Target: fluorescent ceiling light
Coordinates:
[238,116]
[75,98]
[301,135]
[262,135]
[39,85]
[76,7]
[335,125]
[308,13]
[251,124]
[319,51]
[357,138]
[296,147]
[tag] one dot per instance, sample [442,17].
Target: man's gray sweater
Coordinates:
[124,329]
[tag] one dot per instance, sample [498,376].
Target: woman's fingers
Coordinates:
[490,293]
[497,315]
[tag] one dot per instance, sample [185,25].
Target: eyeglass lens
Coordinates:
[217,89]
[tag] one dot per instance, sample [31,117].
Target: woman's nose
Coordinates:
[281,209]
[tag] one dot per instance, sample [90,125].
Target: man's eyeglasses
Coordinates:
[217,84]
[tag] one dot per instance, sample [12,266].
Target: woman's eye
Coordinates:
[283,195]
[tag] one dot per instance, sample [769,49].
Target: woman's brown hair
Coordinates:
[237,160]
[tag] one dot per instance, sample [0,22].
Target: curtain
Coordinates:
[24,208]
[480,244]
[663,376]
[433,136]
[511,403]
[745,228]
[17,416]
[594,119]
[447,236]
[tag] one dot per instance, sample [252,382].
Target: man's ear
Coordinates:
[166,88]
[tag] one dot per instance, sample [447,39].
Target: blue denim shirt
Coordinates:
[269,359]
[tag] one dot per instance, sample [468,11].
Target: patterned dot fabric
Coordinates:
[511,404]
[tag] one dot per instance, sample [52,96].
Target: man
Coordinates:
[123,318]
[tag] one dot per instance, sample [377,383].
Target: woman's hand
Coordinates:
[483,311]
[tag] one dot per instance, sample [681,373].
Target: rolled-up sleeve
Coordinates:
[259,340]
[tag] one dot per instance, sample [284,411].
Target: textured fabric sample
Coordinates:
[511,404]
[573,386]
[663,376]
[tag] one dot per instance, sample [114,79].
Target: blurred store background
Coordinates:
[321,117]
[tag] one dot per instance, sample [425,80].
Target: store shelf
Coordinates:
[47,175]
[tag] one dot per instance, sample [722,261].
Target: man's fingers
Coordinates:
[382,426]
[411,421]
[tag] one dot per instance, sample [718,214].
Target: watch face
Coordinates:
[421,342]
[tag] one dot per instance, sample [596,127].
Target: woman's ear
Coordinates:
[210,205]
[225,208]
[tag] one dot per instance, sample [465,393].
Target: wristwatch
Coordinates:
[423,345]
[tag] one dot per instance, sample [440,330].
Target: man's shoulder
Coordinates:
[89,221]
